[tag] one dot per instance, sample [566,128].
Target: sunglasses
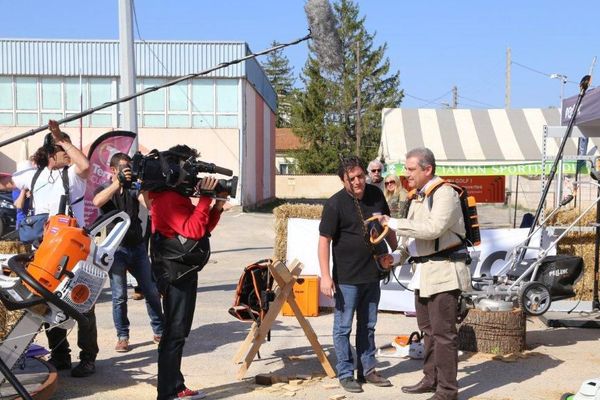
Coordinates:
[375,170]
[390,183]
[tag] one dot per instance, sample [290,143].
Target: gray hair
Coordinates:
[425,157]
[375,163]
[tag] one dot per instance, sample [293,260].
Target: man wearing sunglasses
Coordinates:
[375,171]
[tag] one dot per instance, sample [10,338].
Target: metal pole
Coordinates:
[595,301]
[516,202]
[583,86]
[127,69]
[14,381]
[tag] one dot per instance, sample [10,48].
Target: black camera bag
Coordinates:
[179,256]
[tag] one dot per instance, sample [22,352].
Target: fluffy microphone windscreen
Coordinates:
[326,41]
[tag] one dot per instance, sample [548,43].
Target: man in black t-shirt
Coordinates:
[131,255]
[355,283]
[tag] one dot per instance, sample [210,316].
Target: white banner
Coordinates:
[488,259]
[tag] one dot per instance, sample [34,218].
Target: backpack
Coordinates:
[468,206]
[31,229]
[253,292]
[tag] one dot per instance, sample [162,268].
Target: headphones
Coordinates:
[49,144]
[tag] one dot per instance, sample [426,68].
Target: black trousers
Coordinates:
[436,317]
[87,340]
[179,301]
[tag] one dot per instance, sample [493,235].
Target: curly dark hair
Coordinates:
[40,158]
[346,164]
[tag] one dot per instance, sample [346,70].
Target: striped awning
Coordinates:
[472,136]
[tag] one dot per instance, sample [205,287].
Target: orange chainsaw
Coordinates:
[62,278]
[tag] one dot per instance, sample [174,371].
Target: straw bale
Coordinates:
[579,244]
[282,214]
[9,318]
[13,247]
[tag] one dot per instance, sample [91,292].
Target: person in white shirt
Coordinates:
[49,186]
[51,159]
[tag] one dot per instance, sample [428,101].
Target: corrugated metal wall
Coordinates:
[153,59]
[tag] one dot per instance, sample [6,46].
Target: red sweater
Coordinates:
[173,213]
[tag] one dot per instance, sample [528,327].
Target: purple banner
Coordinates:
[99,155]
[589,110]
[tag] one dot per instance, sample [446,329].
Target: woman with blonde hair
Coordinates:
[395,195]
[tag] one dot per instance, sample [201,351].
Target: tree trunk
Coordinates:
[496,332]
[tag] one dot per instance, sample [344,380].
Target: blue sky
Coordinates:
[434,44]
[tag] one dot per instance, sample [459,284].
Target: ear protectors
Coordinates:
[49,144]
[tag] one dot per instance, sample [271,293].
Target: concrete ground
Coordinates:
[557,361]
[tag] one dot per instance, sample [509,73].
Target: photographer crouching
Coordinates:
[180,248]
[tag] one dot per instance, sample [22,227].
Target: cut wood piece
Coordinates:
[494,332]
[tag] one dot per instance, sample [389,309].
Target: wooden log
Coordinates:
[495,332]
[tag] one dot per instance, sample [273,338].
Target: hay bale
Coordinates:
[282,214]
[13,247]
[579,244]
[9,318]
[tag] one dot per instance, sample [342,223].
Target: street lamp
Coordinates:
[563,80]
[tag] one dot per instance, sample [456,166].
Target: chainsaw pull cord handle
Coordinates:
[379,238]
[416,334]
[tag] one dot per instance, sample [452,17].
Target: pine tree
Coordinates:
[280,74]
[325,114]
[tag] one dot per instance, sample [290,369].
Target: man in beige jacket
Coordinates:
[440,271]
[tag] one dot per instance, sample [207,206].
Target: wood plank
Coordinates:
[312,338]
[244,347]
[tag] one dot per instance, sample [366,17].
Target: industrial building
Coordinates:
[228,115]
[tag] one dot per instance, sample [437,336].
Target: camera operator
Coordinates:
[180,248]
[131,255]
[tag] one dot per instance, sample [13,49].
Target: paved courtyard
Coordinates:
[557,360]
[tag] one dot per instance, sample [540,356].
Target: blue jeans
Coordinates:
[135,260]
[364,300]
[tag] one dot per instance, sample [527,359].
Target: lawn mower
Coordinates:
[58,282]
[530,283]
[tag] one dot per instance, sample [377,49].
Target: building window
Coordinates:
[76,99]
[6,101]
[101,92]
[195,103]
[286,168]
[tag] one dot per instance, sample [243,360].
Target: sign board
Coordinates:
[485,189]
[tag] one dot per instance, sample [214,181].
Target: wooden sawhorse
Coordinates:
[285,277]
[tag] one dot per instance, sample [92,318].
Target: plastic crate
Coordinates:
[306,293]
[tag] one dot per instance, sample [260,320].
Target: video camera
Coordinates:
[166,170]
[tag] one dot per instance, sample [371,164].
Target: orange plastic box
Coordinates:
[307,297]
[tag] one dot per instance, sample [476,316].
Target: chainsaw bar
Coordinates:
[16,343]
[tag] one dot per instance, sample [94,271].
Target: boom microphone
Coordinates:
[323,31]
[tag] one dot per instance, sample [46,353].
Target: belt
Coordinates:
[455,253]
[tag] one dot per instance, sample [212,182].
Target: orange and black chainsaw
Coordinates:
[61,280]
